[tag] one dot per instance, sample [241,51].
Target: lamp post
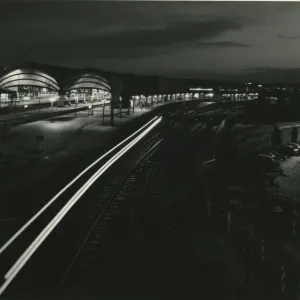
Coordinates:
[133,103]
[92,106]
[120,107]
[15,106]
[51,101]
[76,100]
[103,111]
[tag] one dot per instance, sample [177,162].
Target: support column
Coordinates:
[116,84]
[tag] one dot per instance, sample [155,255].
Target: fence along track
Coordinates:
[278,273]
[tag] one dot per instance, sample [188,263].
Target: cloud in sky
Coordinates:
[153,37]
[170,38]
[289,37]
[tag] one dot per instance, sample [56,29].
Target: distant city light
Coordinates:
[260,85]
[25,106]
[201,89]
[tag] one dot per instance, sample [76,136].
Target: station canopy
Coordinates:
[86,81]
[28,77]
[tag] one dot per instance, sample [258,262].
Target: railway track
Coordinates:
[57,252]
[98,220]
[144,199]
[144,235]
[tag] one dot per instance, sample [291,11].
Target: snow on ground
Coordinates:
[59,133]
[283,125]
[22,139]
[36,112]
[203,104]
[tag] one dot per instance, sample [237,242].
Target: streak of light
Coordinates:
[29,222]
[23,259]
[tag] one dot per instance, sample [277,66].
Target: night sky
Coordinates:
[230,40]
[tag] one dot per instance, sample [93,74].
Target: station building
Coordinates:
[29,83]
[170,97]
[87,87]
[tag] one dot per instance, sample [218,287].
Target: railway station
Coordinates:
[86,87]
[193,94]
[149,154]
[29,84]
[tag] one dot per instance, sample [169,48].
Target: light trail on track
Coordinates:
[44,208]
[23,259]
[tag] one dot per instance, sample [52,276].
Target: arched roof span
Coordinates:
[30,77]
[86,80]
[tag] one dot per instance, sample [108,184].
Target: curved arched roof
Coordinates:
[86,80]
[28,76]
